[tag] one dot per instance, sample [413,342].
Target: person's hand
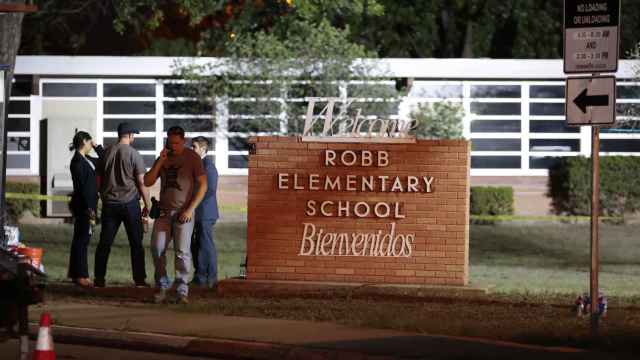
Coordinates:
[145,212]
[91,214]
[185,216]
[93,144]
[164,154]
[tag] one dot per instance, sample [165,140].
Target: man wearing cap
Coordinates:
[122,183]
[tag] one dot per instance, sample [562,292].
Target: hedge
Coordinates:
[15,207]
[489,200]
[569,186]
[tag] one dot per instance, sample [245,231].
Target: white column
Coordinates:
[35,117]
[100,111]
[466,104]
[222,141]
[524,126]
[159,116]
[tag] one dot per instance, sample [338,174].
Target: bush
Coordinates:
[569,186]
[15,207]
[488,200]
[440,120]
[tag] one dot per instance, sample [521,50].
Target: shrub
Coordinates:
[15,207]
[440,120]
[569,186]
[489,200]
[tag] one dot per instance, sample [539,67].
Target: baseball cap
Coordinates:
[126,128]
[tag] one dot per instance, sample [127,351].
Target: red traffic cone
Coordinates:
[44,346]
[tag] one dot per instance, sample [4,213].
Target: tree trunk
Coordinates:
[10,32]
[467,50]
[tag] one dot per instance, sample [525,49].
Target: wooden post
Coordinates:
[595,212]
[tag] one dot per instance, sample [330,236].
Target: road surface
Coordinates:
[9,351]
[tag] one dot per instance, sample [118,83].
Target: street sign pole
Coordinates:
[595,213]
[591,35]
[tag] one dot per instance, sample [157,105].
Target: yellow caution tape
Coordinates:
[36,197]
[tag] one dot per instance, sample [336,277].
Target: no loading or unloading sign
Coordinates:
[591,35]
[591,100]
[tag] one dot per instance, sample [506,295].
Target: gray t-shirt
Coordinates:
[178,179]
[120,167]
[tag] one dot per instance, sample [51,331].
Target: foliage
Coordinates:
[15,207]
[295,59]
[569,186]
[388,28]
[488,200]
[439,120]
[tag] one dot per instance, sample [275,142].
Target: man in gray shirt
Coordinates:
[183,185]
[122,183]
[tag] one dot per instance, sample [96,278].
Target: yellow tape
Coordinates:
[36,197]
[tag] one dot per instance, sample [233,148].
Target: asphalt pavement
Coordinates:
[9,351]
[154,328]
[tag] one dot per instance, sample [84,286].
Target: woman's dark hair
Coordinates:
[78,140]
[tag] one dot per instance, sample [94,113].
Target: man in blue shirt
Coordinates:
[203,248]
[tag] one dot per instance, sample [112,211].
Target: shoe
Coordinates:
[99,283]
[83,282]
[160,296]
[182,300]
[142,284]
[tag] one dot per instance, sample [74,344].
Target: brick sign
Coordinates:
[358,212]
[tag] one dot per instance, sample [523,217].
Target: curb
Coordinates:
[194,346]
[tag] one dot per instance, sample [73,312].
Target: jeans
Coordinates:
[166,228]
[205,256]
[78,267]
[112,215]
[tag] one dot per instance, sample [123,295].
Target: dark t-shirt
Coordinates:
[178,179]
[119,170]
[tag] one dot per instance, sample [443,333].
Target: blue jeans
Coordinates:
[167,228]
[205,256]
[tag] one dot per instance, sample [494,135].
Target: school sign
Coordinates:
[358,212]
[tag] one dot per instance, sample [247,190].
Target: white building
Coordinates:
[514,113]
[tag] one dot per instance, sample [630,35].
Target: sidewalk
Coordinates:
[155,328]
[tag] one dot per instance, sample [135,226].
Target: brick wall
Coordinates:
[439,219]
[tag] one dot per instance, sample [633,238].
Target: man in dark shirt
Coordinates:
[122,183]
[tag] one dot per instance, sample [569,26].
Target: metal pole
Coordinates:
[595,212]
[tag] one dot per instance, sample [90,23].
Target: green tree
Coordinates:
[294,59]
[440,120]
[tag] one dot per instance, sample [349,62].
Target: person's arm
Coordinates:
[144,191]
[187,214]
[212,181]
[98,149]
[152,175]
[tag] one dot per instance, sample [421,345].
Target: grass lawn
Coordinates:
[56,240]
[515,259]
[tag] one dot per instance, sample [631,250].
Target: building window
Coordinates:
[55,89]
[129,90]
[495,162]
[495,144]
[554,145]
[495,91]
[495,126]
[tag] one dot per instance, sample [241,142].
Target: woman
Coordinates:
[83,204]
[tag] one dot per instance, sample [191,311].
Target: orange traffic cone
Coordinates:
[44,346]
